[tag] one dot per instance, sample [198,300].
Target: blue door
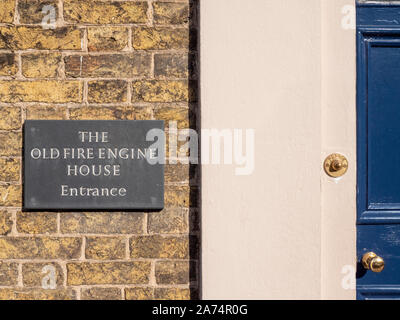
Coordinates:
[378,150]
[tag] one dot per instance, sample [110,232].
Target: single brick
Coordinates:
[177,173]
[8,273]
[8,64]
[30,12]
[10,195]
[97,113]
[41,91]
[160,91]
[140,113]
[180,196]
[10,143]
[183,116]
[7,8]
[28,37]
[172,294]
[108,65]
[33,274]
[5,222]
[149,38]
[40,65]
[86,273]
[182,147]
[107,91]
[37,294]
[37,222]
[105,248]
[170,12]
[172,272]
[46,113]
[102,222]
[159,247]
[40,248]
[139,293]
[172,65]
[100,12]
[170,220]
[181,173]
[10,118]
[107,38]
[101,294]
[110,113]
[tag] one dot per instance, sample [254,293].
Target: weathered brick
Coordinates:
[40,248]
[101,294]
[181,173]
[180,196]
[33,273]
[172,272]
[177,172]
[37,222]
[107,91]
[140,113]
[108,65]
[160,38]
[170,12]
[110,113]
[40,65]
[10,143]
[102,222]
[86,273]
[172,65]
[41,91]
[10,195]
[180,115]
[8,64]
[10,118]
[139,293]
[29,37]
[37,294]
[8,274]
[105,248]
[30,11]
[46,113]
[98,113]
[160,91]
[168,221]
[182,148]
[100,12]
[107,38]
[159,247]
[172,294]
[5,222]
[7,8]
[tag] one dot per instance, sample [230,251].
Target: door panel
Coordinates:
[384,240]
[378,147]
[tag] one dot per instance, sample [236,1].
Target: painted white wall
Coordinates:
[266,65]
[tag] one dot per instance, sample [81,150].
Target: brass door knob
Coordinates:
[373,262]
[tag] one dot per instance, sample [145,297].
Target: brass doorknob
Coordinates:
[373,262]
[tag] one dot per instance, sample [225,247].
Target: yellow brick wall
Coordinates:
[124,59]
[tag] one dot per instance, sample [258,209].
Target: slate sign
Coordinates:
[93,165]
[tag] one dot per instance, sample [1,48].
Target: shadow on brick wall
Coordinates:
[195,169]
